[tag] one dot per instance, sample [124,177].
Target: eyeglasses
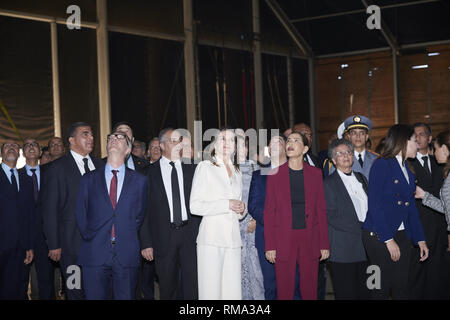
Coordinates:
[29,145]
[118,136]
[343,153]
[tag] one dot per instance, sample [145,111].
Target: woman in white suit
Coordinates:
[216,195]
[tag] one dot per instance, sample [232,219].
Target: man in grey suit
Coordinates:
[347,203]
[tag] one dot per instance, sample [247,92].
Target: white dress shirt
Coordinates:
[130,163]
[363,153]
[120,178]
[212,189]
[309,160]
[7,170]
[356,192]
[80,163]
[166,172]
[419,157]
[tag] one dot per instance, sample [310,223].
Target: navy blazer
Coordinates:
[256,199]
[391,202]
[95,216]
[344,228]
[16,213]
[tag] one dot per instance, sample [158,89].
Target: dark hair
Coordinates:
[43,150]
[304,139]
[336,143]
[421,124]
[163,132]
[213,151]
[118,124]
[73,129]
[443,138]
[53,138]
[142,144]
[397,141]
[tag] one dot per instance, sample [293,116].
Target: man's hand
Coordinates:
[147,254]
[28,257]
[251,226]
[271,255]
[55,254]
[324,254]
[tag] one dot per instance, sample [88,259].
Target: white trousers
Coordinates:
[219,273]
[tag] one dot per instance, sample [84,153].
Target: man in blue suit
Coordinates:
[16,220]
[256,199]
[110,208]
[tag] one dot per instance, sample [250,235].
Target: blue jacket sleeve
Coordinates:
[256,197]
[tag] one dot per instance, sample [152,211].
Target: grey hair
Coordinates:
[336,143]
[162,134]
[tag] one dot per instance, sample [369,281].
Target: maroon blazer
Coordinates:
[278,213]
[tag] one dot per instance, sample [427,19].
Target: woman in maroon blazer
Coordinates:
[295,222]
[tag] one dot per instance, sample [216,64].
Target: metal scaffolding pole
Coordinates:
[189,64]
[103,74]
[290,81]
[312,101]
[257,65]
[396,98]
[55,77]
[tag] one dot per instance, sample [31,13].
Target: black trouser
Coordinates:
[182,255]
[45,271]
[322,281]
[13,274]
[426,277]
[146,281]
[76,293]
[349,280]
[394,275]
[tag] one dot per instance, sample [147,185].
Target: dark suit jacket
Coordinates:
[344,228]
[58,204]
[256,198]
[278,212]
[433,222]
[95,217]
[391,202]
[16,213]
[140,165]
[314,159]
[156,228]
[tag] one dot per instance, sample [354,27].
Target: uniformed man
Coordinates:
[357,129]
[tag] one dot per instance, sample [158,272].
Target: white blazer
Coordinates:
[210,194]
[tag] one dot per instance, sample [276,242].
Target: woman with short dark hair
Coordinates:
[295,222]
[392,220]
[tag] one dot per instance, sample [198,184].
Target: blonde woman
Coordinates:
[216,195]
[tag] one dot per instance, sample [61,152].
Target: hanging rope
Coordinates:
[269,81]
[5,112]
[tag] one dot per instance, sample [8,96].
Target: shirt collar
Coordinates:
[363,153]
[109,168]
[28,167]
[343,175]
[7,168]
[78,157]
[419,155]
[167,162]
[400,160]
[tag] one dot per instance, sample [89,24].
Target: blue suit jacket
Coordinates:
[256,199]
[16,213]
[391,202]
[95,217]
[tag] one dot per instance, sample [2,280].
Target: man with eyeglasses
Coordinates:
[42,268]
[347,203]
[59,195]
[56,148]
[16,220]
[110,209]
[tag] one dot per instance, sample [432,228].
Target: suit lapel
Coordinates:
[4,180]
[101,177]
[127,181]
[72,164]
[158,180]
